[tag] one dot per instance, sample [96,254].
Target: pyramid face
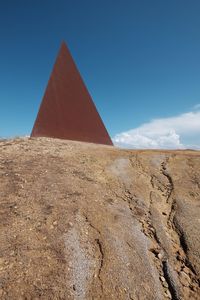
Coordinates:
[67,110]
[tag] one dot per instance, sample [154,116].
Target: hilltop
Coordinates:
[86,221]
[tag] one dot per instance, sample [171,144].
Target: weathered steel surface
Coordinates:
[67,110]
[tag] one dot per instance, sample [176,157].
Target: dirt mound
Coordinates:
[84,221]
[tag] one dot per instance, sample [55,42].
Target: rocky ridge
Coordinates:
[84,221]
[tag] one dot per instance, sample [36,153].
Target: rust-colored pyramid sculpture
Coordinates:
[67,110]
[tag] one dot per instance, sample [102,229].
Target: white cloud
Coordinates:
[178,132]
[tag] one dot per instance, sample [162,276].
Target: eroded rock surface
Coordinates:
[82,221]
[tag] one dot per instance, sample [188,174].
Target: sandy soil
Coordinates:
[83,221]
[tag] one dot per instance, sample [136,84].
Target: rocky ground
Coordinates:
[83,221]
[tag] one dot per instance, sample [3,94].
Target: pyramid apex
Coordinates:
[63,44]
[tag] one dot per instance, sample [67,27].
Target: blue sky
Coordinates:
[139,59]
